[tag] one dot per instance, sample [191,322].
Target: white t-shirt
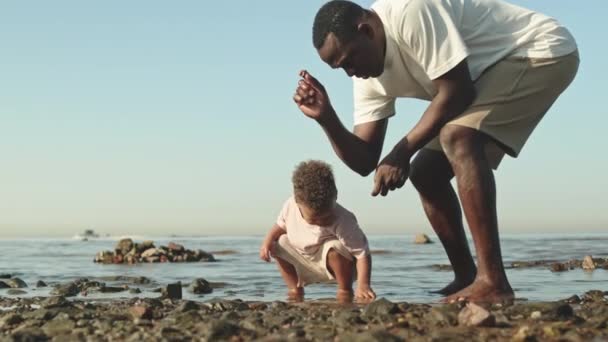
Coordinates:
[427,38]
[307,238]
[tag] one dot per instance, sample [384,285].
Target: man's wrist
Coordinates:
[327,117]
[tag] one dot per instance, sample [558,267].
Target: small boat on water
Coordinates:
[86,235]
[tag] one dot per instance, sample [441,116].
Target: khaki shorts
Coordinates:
[512,97]
[310,268]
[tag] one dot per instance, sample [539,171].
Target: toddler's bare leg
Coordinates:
[342,270]
[290,276]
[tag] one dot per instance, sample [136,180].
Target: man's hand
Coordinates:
[392,172]
[364,293]
[311,97]
[265,251]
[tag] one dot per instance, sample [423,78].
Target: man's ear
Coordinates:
[366,29]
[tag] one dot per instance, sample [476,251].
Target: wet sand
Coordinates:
[56,318]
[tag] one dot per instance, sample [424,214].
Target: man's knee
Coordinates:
[458,141]
[429,169]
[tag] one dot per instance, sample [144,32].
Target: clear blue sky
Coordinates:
[158,117]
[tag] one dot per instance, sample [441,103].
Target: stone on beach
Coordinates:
[200,286]
[421,239]
[588,263]
[172,291]
[14,283]
[476,316]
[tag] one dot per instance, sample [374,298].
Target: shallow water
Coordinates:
[402,272]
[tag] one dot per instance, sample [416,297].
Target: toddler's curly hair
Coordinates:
[314,185]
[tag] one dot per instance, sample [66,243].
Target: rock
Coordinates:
[66,290]
[201,255]
[10,320]
[134,290]
[55,302]
[594,296]
[140,312]
[473,315]
[58,327]
[105,257]
[150,252]
[5,276]
[222,329]
[124,246]
[111,289]
[186,306]
[173,291]
[444,315]
[29,334]
[558,267]
[40,283]
[522,334]
[15,292]
[147,244]
[3,285]
[421,239]
[381,306]
[588,263]
[575,299]
[536,315]
[175,247]
[378,335]
[200,286]
[15,283]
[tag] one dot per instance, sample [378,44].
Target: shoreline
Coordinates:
[45,318]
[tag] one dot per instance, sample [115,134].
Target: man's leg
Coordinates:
[290,276]
[342,270]
[431,174]
[464,148]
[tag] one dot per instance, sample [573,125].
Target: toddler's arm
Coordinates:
[364,272]
[272,236]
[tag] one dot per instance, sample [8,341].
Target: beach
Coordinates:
[583,318]
[57,292]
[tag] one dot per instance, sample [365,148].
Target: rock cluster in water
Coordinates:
[128,252]
[588,263]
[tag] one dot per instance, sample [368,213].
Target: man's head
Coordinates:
[349,37]
[315,191]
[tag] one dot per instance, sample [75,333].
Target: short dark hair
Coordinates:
[339,17]
[314,185]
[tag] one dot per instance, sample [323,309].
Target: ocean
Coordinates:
[402,270]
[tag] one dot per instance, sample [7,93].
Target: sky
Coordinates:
[156,117]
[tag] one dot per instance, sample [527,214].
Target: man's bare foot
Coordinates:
[296,294]
[454,286]
[344,296]
[481,291]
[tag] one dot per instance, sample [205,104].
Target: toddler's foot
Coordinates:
[296,294]
[344,296]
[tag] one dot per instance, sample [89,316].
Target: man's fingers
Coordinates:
[311,80]
[401,181]
[384,191]
[377,186]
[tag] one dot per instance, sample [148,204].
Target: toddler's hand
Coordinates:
[364,292]
[265,252]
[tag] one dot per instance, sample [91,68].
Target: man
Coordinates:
[490,70]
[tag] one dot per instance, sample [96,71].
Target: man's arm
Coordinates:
[359,150]
[455,92]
